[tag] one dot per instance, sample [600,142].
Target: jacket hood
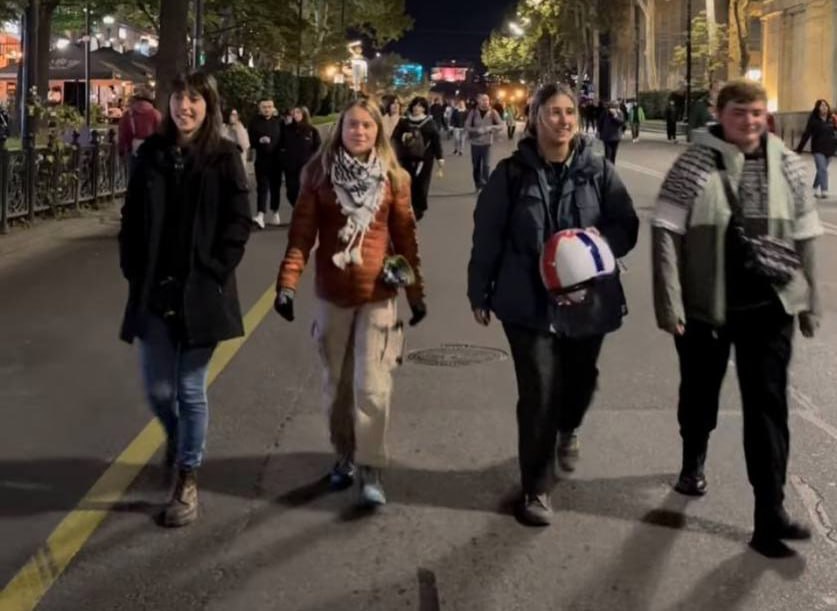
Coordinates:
[527,152]
[713,138]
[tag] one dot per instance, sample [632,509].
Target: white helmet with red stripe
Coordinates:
[574,258]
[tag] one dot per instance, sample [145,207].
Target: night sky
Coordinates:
[449,29]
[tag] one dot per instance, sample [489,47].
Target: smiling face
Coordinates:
[188,111]
[744,123]
[558,121]
[359,132]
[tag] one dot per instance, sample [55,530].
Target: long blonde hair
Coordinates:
[318,170]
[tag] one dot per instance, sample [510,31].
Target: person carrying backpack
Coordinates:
[417,144]
[482,123]
[140,121]
[553,182]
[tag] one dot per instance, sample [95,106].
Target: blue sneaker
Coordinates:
[342,475]
[372,491]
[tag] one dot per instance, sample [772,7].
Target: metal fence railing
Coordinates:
[44,178]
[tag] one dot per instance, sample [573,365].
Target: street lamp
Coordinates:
[515,28]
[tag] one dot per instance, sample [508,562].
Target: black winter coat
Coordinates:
[822,135]
[432,140]
[221,226]
[267,153]
[299,143]
[512,223]
[611,128]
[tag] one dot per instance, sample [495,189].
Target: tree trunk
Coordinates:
[173,53]
[739,11]
[648,8]
[44,38]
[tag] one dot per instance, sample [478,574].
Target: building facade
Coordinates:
[799,53]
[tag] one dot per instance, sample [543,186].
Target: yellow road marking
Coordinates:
[31,583]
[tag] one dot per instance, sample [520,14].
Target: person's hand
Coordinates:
[284,304]
[441,171]
[482,316]
[808,324]
[419,310]
[264,140]
[678,330]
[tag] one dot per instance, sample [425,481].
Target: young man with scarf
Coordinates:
[732,206]
[355,200]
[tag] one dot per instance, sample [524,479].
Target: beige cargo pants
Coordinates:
[359,348]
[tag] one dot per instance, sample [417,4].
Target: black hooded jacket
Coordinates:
[516,216]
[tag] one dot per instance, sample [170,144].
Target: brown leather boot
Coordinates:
[182,509]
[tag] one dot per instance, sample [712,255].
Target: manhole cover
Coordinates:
[456,355]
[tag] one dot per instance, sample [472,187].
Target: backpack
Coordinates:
[413,144]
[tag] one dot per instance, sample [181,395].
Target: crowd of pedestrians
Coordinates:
[733,262]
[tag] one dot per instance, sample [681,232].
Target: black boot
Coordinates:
[773,526]
[692,481]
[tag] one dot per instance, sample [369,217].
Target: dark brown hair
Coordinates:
[740,92]
[209,136]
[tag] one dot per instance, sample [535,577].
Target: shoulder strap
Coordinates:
[729,192]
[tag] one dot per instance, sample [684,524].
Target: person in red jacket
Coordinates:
[355,201]
[140,121]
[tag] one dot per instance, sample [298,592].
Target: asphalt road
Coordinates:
[269,536]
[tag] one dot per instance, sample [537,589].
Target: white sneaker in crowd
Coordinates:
[259,220]
[275,220]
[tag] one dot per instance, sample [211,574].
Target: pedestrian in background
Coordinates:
[235,132]
[511,121]
[437,112]
[300,141]
[265,135]
[719,282]
[820,131]
[555,346]
[417,145]
[392,113]
[482,123]
[457,121]
[355,202]
[671,121]
[139,122]
[185,222]
[611,128]
[637,116]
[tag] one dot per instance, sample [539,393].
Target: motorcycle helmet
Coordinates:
[572,260]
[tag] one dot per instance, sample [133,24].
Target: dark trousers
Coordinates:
[556,378]
[634,130]
[292,183]
[610,149]
[510,129]
[762,338]
[481,160]
[268,182]
[671,130]
[420,174]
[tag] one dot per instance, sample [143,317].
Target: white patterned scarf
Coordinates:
[359,187]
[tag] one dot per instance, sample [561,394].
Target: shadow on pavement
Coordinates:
[28,487]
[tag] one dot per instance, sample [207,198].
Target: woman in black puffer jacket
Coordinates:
[820,130]
[300,141]
[553,182]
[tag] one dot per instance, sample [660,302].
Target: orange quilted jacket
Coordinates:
[317,215]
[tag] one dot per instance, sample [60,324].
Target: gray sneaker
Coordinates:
[371,488]
[536,509]
[568,451]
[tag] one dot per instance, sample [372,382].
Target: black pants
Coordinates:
[635,130]
[556,378]
[762,338]
[510,130]
[268,182]
[420,174]
[671,130]
[293,174]
[610,149]
[481,162]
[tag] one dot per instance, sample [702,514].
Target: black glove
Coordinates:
[284,304]
[419,310]
[808,324]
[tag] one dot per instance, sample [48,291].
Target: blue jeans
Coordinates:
[175,384]
[821,178]
[481,160]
